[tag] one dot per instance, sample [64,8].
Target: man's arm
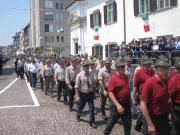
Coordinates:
[56,77]
[173,115]
[77,86]
[151,127]
[102,85]
[119,107]
[135,95]
[67,78]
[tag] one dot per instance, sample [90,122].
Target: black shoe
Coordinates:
[93,125]
[78,119]
[66,103]
[70,109]
[104,117]
[46,93]
[58,100]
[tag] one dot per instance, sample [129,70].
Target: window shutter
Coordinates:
[105,14]
[99,18]
[101,51]
[153,5]
[136,7]
[173,2]
[91,21]
[115,11]
[93,51]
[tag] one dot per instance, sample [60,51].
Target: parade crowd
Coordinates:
[150,47]
[151,88]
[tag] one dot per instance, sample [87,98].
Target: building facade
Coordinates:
[27,36]
[16,40]
[152,19]
[78,26]
[105,27]
[49,28]
[111,22]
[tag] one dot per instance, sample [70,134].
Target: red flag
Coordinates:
[96,37]
[146,28]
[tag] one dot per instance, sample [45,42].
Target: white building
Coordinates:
[21,40]
[78,26]
[105,27]
[163,19]
[99,26]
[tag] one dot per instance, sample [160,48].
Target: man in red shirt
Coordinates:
[140,77]
[119,94]
[174,90]
[155,102]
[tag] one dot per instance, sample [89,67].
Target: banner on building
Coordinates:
[145,18]
[96,33]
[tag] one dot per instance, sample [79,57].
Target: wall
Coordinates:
[164,22]
[107,33]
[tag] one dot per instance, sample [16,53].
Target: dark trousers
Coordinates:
[49,84]
[20,72]
[27,76]
[103,103]
[1,69]
[62,87]
[41,81]
[71,95]
[161,124]
[114,117]
[177,124]
[89,98]
[33,79]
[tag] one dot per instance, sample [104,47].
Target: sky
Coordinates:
[14,16]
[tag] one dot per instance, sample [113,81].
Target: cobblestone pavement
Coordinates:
[50,118]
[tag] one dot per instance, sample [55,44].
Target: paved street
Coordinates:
[20,113]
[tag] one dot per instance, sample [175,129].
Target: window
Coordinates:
[49,38]
[95,19]
[49,16]
[61,17]
[57,16]
[110,12]
[163,4]
[57,6]
[48,4]
[76,48]
[97,50]
[61,5]
[144,6]
[57,38]
[48,27]
[110,51]
[62,39]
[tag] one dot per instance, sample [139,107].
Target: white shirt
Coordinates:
[33,67]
